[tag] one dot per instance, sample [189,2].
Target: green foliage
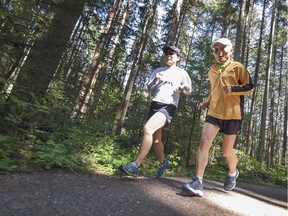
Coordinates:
[44,137]
[105,155]
[16,111]
[251,170]
[55,155]
[7,152]
[83,150]
[256,172]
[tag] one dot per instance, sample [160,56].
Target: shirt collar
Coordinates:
[225,64]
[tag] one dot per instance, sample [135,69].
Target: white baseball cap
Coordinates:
[223,41]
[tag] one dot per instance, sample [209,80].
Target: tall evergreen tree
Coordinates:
[46,52]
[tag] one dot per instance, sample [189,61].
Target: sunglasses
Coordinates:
[170,53]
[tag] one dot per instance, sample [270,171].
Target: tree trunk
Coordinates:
[284,151]
[16,28]
[122,110]
[240,31]
[68,57]
[175,23]
[275,109]
[196,116]
[246,33]
[99,86]
[285,129]
[255,92]
[45,55]
[267,86]
[96,65]
[226,18]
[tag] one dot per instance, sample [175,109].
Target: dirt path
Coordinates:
[61,193]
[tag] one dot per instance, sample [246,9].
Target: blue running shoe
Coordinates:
[195,188]
[130,169]
[162,168]
[230,182]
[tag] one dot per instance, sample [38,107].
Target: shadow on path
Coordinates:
[63,193]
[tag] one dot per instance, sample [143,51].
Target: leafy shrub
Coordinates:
[55,155]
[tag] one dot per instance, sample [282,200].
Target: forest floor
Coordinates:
[65,193]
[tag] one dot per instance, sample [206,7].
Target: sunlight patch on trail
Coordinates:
[245,205]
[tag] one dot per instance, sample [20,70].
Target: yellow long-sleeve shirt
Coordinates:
[228,106]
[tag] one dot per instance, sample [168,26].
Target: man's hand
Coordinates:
[204,105]
[227,89]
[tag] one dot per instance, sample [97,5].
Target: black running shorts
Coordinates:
[228,127]
[168,110]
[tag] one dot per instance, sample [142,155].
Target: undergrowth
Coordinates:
[50,140]
[83,152]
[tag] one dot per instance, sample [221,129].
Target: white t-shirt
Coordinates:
[164,90]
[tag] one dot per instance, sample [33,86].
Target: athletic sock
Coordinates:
[200,179]
[232,175]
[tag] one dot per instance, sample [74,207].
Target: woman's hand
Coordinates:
[158,77]
[182,88]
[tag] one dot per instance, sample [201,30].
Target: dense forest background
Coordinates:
[73,82]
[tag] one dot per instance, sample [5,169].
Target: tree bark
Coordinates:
[246,35]
[263,136]
[255,92]
[123,108]
[101,82]
[240,31]
[97,63]
[284,151]
[226,18]
[45,55]
[175,23]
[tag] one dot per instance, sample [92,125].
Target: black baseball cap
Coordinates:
[166,47]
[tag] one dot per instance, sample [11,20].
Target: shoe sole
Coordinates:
[128,173]
[197,193]
[166,167]
[230,189]
[160,176]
